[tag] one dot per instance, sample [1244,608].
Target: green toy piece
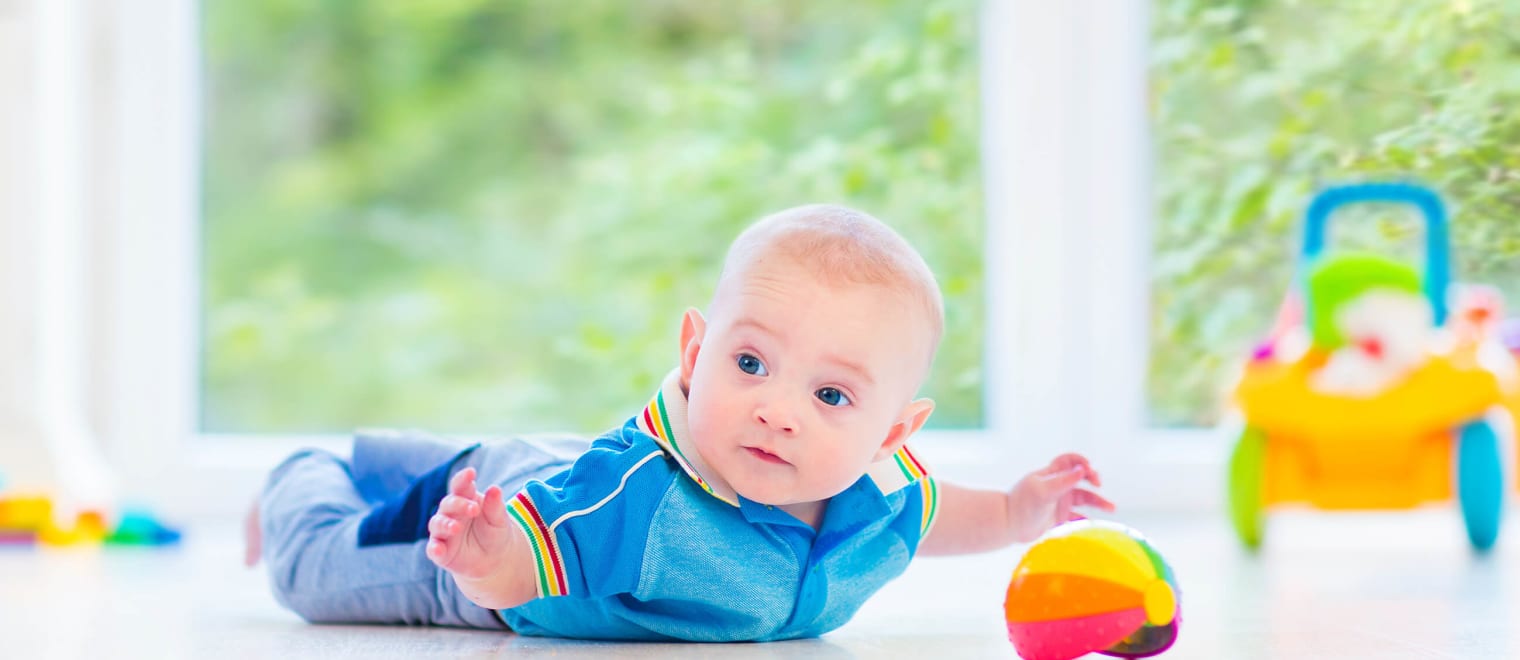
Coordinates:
[138,527]
[1340,278]
[1247,471]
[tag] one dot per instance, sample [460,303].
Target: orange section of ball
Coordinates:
[1050,596]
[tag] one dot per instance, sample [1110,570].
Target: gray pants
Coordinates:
[312,505]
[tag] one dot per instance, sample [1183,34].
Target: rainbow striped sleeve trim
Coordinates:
[930,489]
[551,564]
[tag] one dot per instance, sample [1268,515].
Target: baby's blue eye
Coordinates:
[751,365]
[832,397]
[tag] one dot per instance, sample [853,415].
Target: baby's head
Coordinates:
[822,328]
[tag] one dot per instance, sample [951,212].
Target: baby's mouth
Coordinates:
[766,456]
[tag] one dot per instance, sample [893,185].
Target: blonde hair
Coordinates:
[841,245]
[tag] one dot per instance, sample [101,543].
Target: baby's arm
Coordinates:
[471,538]
[971,520]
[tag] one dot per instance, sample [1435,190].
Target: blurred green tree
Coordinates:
[488,215]
[1256,103]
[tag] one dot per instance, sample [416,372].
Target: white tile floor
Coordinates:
[1328,586]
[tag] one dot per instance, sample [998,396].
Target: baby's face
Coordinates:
[797,384]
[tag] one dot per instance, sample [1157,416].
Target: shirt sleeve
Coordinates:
[588,525]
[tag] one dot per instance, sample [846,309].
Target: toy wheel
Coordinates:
[1247,469]
[1480,483]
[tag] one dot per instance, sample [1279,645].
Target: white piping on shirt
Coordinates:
[652,455]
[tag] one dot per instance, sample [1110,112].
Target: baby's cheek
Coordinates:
[700,415]
[841,470]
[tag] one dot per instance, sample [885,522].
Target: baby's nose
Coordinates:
[775,420]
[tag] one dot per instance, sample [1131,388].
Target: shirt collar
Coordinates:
[664,419]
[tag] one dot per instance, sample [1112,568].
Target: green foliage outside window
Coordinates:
[1256,103]
[488,215]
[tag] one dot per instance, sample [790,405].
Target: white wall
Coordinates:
[20,456]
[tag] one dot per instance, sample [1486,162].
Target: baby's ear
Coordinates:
[693,326]
[909,422]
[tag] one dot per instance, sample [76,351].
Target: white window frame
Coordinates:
[1070,206]
[1066,161]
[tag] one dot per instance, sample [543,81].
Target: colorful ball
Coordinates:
[1092,586]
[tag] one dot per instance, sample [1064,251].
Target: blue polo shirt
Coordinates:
[639,539]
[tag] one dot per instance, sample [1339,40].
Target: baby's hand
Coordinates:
[1046,497]
[469,535]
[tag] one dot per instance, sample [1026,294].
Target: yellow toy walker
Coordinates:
[1370,395]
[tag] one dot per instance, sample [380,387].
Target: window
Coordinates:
[1259,102]
[1026,96]
[489,215]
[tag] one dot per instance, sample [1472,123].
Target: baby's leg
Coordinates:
[386,461]
[309,514]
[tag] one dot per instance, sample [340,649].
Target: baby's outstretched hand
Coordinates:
[1046,497]
[469,534]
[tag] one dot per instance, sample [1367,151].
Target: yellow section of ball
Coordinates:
[1160,603]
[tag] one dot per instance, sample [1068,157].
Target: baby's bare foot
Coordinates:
[253,538]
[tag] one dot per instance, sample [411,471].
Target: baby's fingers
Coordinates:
[458,507]
[1072,460]
[463,484]
[443,527]
[1089,498]
[494,507]
[438,551]
[1058,483]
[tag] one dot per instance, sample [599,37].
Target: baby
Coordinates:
[765,491]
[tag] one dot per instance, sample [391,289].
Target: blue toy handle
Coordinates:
[1437,261]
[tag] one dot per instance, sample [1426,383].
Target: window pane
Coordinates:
[489,215]
[1259,102]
